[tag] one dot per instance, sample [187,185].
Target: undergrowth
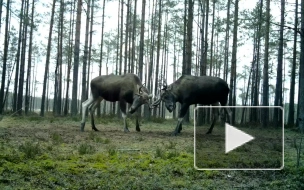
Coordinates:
[69,159]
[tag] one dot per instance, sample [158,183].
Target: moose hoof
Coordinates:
[174,133]
[82,127]
[209,132]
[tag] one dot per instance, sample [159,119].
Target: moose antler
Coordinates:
[164,85]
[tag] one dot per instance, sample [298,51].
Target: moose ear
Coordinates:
[138,89]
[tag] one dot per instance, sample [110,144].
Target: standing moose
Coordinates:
[189,90]
[123,88]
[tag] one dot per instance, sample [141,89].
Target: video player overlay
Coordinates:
[252,140]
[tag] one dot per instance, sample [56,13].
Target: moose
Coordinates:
[125,88]
[189,90]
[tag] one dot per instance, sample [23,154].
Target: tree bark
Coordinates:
[291,109]
[101,49]
[265,112]
[277,117]
[157,51]
[71,34]
[48,54]
[22,65]
[74,109]
[232,100]
[301,76]
[6,43]
[29,66]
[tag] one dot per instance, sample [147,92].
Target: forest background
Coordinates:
[50,50]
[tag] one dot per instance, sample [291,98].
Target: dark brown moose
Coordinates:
[189,90]
[125,88]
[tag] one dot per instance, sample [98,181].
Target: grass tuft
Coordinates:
[85,148]
[56,138]
[30,149]
[159,153]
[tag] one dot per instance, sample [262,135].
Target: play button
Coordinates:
[235,138]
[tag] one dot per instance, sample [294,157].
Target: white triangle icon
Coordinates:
[235,138]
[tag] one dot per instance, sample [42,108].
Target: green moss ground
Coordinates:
[51,153]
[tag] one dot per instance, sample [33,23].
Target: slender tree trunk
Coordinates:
[48,54]
[226,54]
[15,101]
[74,109]
[28,81]
[301,73]
[90,50]
[265,112]
[59,100]
[291,109]
[71,34]
[158,50]
[212,34]
[188,48]
[101,48]
[85,55]
[202,65]
[134,38]
[6,43]
[232,100]
[141,45]
[278,91]
[126,38]
[121,37]
[22,65]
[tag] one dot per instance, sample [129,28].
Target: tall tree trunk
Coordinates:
[203,64]
[121,37]
[126,38]
[29,66]
[120,49]
[265,112]
[85,55]
[101,49]
[6,43]
[301,77]
[188,48]
[134,38]
[174,64]
[232,100]
[141,45]
[74,109]
[212,34]
[22,65]
[226,47]
[15,101]
[59,101]
[90,50]
[277,118]
[71,34]
[291,109]
[157,50]
[48,54]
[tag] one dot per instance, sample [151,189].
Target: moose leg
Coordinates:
[181,116]
[85,104]
[137,124]
[123,106]
[215,113]
[92,110]
[229,113]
